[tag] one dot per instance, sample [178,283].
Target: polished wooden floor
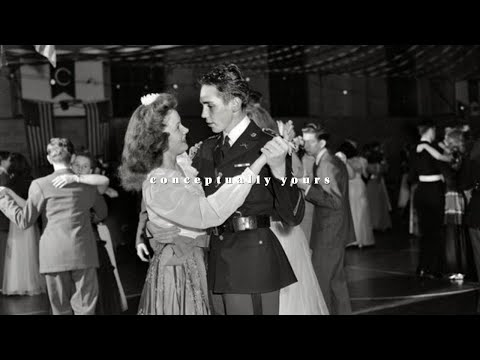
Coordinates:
[381,282]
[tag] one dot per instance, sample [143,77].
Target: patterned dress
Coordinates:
[178,213]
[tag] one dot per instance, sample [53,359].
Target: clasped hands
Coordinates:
[4,191]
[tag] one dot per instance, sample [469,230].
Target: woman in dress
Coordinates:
[357,192]
[21,272]
[377,194]
[458,253]
[154,160]
[305,296]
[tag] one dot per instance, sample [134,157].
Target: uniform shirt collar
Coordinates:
[238,130]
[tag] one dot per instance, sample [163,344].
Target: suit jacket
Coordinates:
[67,242]
[250,261]
[332,225]
[469,178]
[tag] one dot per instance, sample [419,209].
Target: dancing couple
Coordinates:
[212,249]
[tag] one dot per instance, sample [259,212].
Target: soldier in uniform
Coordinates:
[247,266]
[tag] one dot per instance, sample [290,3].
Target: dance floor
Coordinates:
[381,282]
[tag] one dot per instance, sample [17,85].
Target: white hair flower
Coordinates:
[149,99]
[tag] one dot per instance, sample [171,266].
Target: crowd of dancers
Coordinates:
[274,249]
[440,190]
[234,246]
[51,242]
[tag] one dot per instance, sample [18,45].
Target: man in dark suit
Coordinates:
[68,249]
[469,177]
[332,226]
[247,266]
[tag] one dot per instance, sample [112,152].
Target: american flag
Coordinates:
[98,127]
[39,126]
[49,52]
[3,57]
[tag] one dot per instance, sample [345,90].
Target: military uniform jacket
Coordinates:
[250,261]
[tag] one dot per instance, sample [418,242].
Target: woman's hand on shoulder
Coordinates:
[64,180]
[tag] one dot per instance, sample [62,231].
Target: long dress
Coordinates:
[178,213]
[111,299]
[305,296]
[21,270]
[378,199]
[458,250]
[106,238]
[413,227]
[359,203]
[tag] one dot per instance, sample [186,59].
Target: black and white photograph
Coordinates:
[240,180]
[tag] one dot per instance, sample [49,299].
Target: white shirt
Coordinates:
[319,157]
[237,131]
[425,139]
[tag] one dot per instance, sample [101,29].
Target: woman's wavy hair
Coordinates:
[19,166]
[229,81]
[455,138]
[348,149]
[145,142]
[261,117]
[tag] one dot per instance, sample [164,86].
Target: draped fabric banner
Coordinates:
[39,126]
[98,127]
[49,52]
[63,77]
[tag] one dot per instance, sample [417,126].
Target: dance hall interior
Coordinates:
[124,180]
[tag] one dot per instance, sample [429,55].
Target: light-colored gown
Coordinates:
[359,203]
[305,296]
[378,199]
[21,274]
[176,282]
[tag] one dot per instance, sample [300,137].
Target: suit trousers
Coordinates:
[73,291]
[430,203]
[245,304]
[329,266]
